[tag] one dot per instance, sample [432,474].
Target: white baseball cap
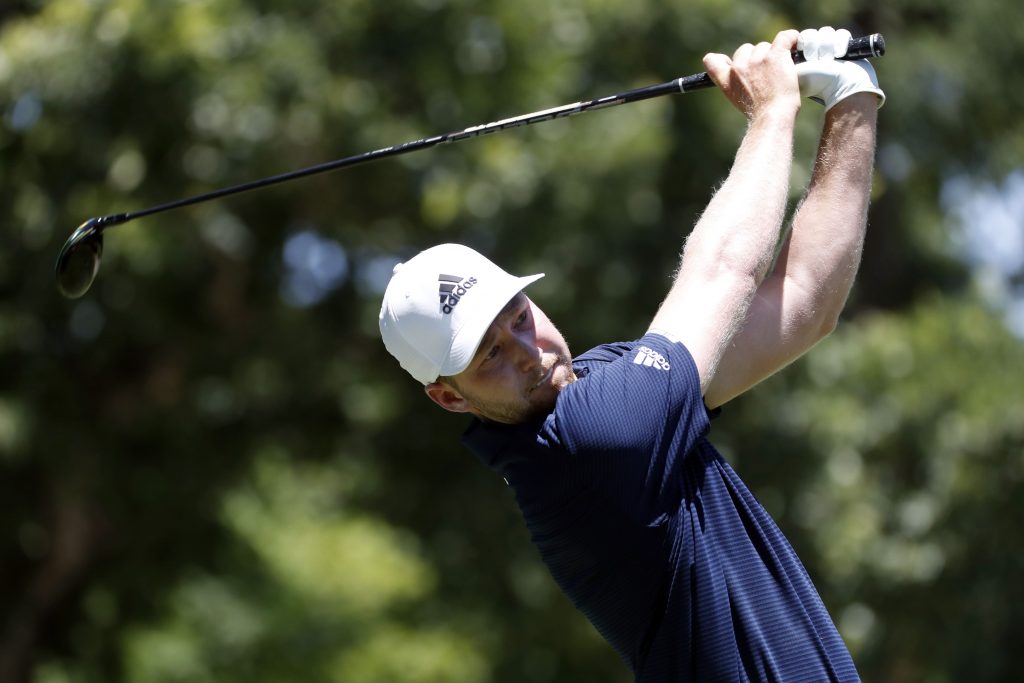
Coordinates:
[438,307]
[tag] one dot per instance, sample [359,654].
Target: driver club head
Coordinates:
[79,259]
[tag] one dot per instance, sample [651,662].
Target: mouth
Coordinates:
[545,379]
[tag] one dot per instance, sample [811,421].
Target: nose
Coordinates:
[528,357]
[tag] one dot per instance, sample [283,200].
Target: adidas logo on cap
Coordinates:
[452,289]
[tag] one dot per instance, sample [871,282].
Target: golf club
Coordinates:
[79,258]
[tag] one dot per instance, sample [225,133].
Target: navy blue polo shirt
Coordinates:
[652,535]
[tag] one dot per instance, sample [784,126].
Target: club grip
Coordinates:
[866,47]
[863,47]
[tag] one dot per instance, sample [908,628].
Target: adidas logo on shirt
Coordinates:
[651,358]
[452,289]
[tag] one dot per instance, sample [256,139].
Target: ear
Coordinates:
[447,397]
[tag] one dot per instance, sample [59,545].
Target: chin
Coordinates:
[562,376]
[542,400]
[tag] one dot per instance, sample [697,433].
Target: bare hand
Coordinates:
[759,78]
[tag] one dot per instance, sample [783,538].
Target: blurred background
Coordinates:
[211,470]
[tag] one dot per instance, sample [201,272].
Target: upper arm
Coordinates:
[782,323]
[703,311]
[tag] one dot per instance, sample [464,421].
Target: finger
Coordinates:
[742,54]
[718,66]
[842,42]
[786,40]
[760,52]
[826,43]
[808,44]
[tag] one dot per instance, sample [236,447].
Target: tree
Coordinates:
[186,449]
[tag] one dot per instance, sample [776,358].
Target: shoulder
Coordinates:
[604,353]
[628,392]
[654,350]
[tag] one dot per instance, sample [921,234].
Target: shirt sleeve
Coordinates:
[632,422]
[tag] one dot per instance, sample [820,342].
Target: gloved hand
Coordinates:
[827,81]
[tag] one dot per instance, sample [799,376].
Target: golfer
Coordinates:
[641,522]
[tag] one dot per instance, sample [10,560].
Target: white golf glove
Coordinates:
[826,80]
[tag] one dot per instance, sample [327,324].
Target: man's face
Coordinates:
[519,368]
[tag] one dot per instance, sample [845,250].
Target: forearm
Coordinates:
[824,247]
[739,229]
[800,301]
[729,249]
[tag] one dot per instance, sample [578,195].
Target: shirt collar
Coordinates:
[493,442]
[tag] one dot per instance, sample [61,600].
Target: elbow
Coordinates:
[827,323]
[742,268]
[723,260]
[827,327]
[817,311]
[809,332]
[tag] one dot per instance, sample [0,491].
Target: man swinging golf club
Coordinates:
[639,519]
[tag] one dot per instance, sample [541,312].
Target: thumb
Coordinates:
[815,78]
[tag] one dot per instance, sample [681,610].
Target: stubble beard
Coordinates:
[531,405]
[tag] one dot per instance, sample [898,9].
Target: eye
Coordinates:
[491,354]
[521,320]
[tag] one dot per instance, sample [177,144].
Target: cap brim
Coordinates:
[468,338]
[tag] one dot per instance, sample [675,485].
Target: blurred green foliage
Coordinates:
[211,469]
